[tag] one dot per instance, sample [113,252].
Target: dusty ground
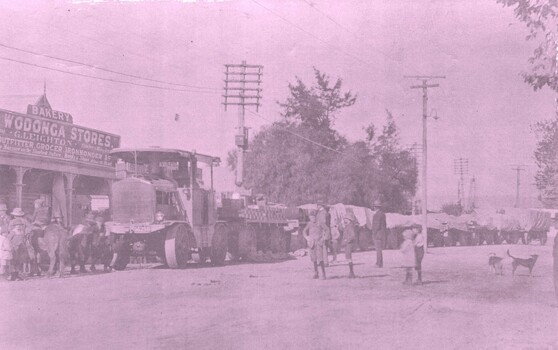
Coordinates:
[279,306]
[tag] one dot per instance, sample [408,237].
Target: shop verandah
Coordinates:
[70,190]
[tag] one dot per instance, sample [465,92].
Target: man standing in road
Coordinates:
[324,219]
[349,237]
[379,231]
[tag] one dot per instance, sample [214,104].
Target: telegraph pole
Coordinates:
[424,86]
[416,150]
[242,88]
[461,168]
[518,169]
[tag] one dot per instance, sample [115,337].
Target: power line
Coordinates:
[312,35]
[103,69]
[313,6]
[300,136]
[99,78]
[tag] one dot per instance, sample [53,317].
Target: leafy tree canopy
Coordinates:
[541,17]
[302,159]
[546,158]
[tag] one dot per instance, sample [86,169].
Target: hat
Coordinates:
[378,203]
[18,212]
[3,206]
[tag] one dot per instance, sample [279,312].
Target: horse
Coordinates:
[87,243]
[55,243]
[22,254]
[101,250]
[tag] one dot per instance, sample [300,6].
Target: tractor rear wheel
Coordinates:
[179,240]
[232,243]
[219,244]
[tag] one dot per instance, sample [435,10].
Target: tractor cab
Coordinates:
[159,190]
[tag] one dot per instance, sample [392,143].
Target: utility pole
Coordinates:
[518,169]
[242,88]
[424,86]
[416,151]
[461,168]
[471,203]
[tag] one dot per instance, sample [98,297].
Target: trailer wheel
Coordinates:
[246,241]
[475,239]
[489,237]
[437,240]
[463,239]
[278,240]
[219,244]
[179,240]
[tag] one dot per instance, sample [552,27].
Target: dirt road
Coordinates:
[279,306]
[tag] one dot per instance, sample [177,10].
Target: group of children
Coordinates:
[316,235]
[412,250]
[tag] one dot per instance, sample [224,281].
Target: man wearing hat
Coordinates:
[324,219]
[41,218]
[19,229]
[349,240]
[379,231]
[314,235]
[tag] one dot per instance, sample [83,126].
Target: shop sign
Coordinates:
[45,112]
[25,134]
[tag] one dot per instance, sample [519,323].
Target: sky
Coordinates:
[484,109]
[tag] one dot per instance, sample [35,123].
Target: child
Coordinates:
[5,252]
[314,235]
[408,252]
[419,251]
[349,240]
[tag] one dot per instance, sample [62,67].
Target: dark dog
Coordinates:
[528,263]
[495,263]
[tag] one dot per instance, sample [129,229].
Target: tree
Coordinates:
[316,106]
[302,159]
[397,170]
[546,158]
[541,18]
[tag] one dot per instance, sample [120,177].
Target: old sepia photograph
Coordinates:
[279,174]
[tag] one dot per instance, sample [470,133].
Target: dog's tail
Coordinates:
[510,254]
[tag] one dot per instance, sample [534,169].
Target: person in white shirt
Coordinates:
[419,251]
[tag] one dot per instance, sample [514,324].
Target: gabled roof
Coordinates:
[43,102]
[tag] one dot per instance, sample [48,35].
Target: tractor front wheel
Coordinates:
[179,240]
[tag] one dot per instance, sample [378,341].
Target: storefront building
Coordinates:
[43,154]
